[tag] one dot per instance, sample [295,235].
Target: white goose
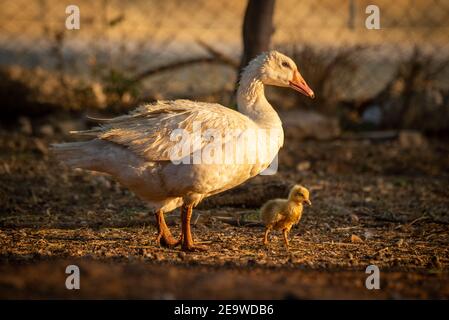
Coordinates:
[137,149]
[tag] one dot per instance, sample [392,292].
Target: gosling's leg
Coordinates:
[164,236]
[265,239]
[187,240]
[285,233]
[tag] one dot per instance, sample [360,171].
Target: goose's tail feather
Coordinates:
[75,154]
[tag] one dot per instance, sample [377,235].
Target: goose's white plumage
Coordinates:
[136,148]
[147,130]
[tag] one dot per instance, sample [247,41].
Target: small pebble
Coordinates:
[25,125]
[303,166]
[354,218]
[46,130]
[356,239]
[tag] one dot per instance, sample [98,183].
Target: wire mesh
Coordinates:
[118,37]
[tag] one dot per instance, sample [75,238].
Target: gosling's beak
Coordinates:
[308,202]
[300,85]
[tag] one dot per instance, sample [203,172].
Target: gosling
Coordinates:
[283,214]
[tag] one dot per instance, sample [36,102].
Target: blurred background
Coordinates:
[127,52]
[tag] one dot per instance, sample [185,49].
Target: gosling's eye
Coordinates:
[299,194]
[285,64]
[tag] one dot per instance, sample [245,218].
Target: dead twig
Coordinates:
[418,219]
[341,243]
[219,55]
[379,252]
[423,217]
[142,247]
[373,135]
[204,242]
[240,223]
[345,228]
[196,220]
[216,58]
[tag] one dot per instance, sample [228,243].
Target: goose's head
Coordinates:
[277,69]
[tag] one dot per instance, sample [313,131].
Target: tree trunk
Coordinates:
[257,29]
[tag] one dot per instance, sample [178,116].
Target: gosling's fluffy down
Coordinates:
[283,214]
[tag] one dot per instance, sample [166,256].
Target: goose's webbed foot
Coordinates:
[164,237]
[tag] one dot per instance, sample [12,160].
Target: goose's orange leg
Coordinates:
[164,236]
[187,240]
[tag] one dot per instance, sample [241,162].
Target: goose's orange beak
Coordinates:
[300,85]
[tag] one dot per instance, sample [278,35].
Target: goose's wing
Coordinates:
[153,130]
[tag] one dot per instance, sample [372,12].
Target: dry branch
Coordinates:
[218,55]
[240,222]
[216,58]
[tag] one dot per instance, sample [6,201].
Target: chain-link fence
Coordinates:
[179,48]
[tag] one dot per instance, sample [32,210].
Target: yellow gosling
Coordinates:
[283,214]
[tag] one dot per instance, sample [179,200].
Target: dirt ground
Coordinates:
[375,201]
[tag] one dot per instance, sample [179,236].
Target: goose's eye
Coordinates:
[285,64]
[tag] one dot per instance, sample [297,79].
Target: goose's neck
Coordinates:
[251,100]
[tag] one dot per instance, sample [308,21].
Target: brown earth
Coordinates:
[375,201]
